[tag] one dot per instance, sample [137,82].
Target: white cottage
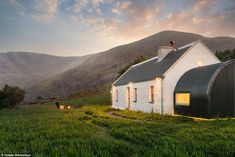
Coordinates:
[149,86]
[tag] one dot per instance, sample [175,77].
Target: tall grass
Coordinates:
[89,131]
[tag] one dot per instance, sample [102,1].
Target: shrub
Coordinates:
[225,55]
[89,112]
[10,96]
[39,97]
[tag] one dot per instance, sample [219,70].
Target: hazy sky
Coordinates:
[78,27]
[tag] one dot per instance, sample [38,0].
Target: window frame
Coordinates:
[151,92]
[135,95]
[116,95]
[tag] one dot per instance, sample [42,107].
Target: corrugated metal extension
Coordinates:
[212,90]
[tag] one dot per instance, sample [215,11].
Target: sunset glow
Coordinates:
[79,27]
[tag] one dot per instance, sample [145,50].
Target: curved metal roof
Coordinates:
[199,80]
[150,69]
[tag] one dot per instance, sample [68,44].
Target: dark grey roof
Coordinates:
[197,79]
[200,79]
[151,69]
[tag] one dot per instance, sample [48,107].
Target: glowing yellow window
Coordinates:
[182,99]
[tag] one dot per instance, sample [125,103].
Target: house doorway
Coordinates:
[128,98]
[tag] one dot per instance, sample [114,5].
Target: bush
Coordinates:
[10,96]
[226,54]
[89,112]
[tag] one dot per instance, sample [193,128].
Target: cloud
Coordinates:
[113,22]
[97,2]
[13,2]
[223,23]
[127,20]
[42,10]
[201,19]
[133,20]
[139,18]
[120,6]
[20,8]
[45,10]
[79,5]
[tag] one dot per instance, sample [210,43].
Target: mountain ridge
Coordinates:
[25,68]
[101,69]
[47,75]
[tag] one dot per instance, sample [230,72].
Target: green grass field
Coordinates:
[90,131]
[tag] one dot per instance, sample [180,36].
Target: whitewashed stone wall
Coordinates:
[143,96]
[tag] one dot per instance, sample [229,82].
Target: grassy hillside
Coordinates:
[93,131]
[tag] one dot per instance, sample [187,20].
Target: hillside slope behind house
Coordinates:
[102,68]
[24,69]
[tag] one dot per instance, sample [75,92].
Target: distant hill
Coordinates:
[25,69]
[101,69]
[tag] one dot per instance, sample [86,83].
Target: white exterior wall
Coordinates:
[143,96]
[121,103]
[186,62]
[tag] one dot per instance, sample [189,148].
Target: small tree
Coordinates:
[10,96]
[226,54]
[139,59]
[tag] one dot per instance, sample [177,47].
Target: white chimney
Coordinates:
[163,52]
